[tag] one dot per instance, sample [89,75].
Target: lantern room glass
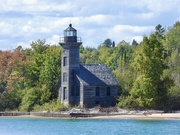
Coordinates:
[70,33]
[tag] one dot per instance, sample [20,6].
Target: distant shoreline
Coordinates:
[153,116]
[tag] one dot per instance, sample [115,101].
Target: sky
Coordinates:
[24,21]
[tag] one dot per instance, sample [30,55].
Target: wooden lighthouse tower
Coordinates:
[69,93]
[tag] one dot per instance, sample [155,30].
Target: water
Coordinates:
[55,126]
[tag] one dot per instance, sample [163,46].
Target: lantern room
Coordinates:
[70,34]
[70,31]
[70,37]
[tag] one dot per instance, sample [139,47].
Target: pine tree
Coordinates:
[150,87]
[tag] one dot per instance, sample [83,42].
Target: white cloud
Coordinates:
[34,6]
[27,28]
[137,38]
[5,28]
[29,2]
[148,15]
[23,21]
[54,39]
[128,33]
[155,6]
[133,29]
[162,6]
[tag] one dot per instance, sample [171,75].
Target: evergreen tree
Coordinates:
[160,32]
[108,43]
[134,42]
[150,87]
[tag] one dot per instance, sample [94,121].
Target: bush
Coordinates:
[127,102]
[174,99]
[32,97]
[10,100]
[54,105]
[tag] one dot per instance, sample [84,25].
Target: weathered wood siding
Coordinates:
[91,100]
[71,52]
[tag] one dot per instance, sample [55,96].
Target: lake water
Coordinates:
[55,126]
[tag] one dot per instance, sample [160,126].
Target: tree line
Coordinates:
[148,72]
[30,78]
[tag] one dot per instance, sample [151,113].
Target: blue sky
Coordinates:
[24,21]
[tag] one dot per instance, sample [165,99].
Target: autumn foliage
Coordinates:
[148,72]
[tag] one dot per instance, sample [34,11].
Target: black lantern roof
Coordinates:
[70,31]
[70,28]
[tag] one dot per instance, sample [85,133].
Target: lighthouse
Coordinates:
[85,85]
[69,93]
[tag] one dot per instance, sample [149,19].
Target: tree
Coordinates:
[10,100]
[160,32]
[134,42]
[12,69]
[107,56]
[35,62]
[150,87]
[89,55]
[108,43]
[42,75]
[51,70]
[32,97]
[172,43]
[29,77]
[113,44]
[124,72]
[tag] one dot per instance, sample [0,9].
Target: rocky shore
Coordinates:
[99,114]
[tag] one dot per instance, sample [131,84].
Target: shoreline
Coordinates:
[153,116]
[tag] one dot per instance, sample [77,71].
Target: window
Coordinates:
[64,61]
[108,91]
[77,91]
[97,102]
[64,77]
[64,93]
[72,90]
[69,33]
[97,91]
[74,33]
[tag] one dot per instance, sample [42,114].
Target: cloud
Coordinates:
[27,28]
[129,32]
[134,29]
[29,2]
[53,40]
[137,38]
[23,21]
[148,15]
[35,6]
[5,28]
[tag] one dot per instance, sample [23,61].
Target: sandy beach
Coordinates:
[174,116]
[155,116]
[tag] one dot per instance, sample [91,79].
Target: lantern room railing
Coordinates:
[70,39]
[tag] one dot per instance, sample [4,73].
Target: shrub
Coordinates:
[54,105]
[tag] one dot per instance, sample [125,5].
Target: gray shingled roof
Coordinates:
[96,74]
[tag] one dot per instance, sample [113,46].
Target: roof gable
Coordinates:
[96,75]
